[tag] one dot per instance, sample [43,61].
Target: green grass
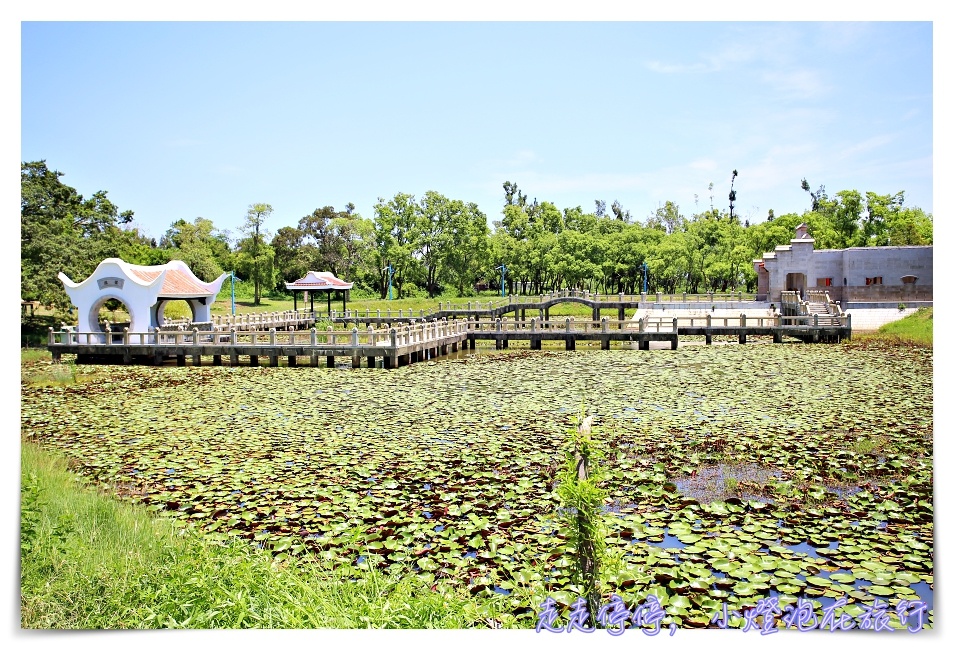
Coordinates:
[37,369]
[916,328]
[90,561]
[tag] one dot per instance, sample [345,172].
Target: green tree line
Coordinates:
[435,244]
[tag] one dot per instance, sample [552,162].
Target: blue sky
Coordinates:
[181,120]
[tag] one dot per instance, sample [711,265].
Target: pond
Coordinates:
[734,473]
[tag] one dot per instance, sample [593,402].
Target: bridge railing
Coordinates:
[530,302]
[398,336]
[566,324]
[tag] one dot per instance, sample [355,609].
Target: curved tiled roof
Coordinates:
[176,283]
[319,281]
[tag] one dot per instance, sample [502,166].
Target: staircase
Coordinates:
[822,310]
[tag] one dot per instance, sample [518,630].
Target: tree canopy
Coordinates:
[436,243]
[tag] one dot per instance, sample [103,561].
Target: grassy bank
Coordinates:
[916,328]
[89,561]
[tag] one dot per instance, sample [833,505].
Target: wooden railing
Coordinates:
[397,336]
[259,320]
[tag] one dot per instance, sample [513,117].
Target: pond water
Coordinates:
[448,468]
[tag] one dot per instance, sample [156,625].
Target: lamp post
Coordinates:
[503,280]
[645,272]
[232,277]
[390,270]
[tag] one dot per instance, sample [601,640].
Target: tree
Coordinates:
[817,196]
[395,237]
[619,212]
[60,231]
[199,245]
[670,217]
[256,259]
[292,256]
[433,220]
[467,245]
[732,195]
[512,195]
[909,227]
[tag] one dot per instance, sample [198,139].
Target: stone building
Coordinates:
[852,276]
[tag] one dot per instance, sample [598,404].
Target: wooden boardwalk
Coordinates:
[395,347]
[650,328]
[404,344]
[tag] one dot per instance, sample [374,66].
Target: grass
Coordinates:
[917,329]
[37,369]
[89,561]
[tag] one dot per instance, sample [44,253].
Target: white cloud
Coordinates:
[678,68]
[866,146]
[797,83]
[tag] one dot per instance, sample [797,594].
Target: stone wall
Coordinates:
[889,263]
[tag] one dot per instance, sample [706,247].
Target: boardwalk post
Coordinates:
[848,325]
[233,352]
[390,359]
[355,357]
[314,344]
[127,355]
[196,353]
[742,332]
[56,354]
[272,354]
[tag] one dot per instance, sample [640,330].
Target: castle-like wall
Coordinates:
[869,274]
[890,263]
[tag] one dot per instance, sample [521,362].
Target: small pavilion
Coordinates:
[144,290]
[315,281]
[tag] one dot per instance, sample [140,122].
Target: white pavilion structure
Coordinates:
[144,290]
[316,281]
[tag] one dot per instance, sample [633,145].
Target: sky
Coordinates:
[179,120]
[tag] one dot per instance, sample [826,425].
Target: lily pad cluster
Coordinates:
[733,473]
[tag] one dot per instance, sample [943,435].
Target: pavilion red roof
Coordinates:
[176,283]
[319,281]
